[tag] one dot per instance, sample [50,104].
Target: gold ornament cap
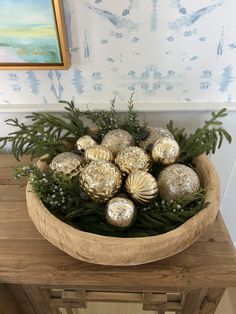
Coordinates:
[177,181]
[133,158]
[165,151]
[100,180]
[85,142]
[120,212]
[98,152]
[68,163]
[117,140]
[142,186]
[155,134]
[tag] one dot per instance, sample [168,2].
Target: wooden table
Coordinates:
[36,277]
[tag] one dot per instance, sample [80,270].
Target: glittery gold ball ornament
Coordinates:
[142,186]
[165,151]
[68,163]
[155,134]
[98,152]
[85,142]
[133,158]
[118,139]
[100,180]
[177,181]
[120,212]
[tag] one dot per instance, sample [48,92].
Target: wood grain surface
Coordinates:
[27,258]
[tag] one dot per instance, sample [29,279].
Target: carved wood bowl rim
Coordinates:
[114,251]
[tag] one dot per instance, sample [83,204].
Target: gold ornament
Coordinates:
[85,142]
[155,134]
[177,181]
[117,139]
[100,180]
[165,151]
[120,212]
[142,186]
[133,158]
[68,163]
[98,152]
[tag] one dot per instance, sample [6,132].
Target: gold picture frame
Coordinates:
[13,45]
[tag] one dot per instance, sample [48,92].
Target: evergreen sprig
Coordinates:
[131,123]
[63,196]
[107,121]
[45,134]
[204,140]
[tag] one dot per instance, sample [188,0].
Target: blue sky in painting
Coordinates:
[33,13]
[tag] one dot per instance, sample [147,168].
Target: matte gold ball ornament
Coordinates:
[177,181]
[98,152]
[154,134]
[100,180]
[85,142]
[133,158]
[165,151]
[117,140]
[120,212]
[142,186]
[68,163]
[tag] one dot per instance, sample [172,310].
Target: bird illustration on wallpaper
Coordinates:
[32,34]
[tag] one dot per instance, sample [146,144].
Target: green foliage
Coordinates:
[131,123]
[45,134]
[204,140]
[105,121]
[110,120]
[63,196]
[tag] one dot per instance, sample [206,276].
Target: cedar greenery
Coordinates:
[49,134]
[111,120]
[46,134]
[64,198]
[204,140]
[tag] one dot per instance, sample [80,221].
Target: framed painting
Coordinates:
[33,35]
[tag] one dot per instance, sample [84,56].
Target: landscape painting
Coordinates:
[31,33]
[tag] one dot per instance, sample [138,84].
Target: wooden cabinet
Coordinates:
[37,278]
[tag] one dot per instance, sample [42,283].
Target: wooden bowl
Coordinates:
[130,251]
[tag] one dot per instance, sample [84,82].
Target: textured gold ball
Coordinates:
[133,158]
[120,212]
[118,139]
[85,142]
[98,152]
[177,181]
[155,134]
[68,163]
[165,151]
[100,180]
[142,186]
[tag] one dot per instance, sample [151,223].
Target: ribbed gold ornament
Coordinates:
[68,163]
[165,151]
[100,180]
[142,186]
[98,152]
[120,212]
[133,158]
[117,140]
[85,142]
[155,134]
[177,181]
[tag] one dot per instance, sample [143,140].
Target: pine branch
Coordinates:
[46,134]
[204,140]
[131,123]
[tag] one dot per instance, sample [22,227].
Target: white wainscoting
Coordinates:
[159,115]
